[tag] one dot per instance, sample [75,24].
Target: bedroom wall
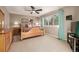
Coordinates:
[52,30]
[17,18]
[76,14]
[72,10]
[69,11]
[6,17]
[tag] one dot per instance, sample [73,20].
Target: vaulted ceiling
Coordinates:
[21,10]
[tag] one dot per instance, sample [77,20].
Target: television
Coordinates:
[69,17]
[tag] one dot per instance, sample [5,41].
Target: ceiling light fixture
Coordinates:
[33,11]
[16,23]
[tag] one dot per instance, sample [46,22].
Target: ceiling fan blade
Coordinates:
[39,10]
[32,7]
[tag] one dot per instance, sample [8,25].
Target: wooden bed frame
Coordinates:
[36,31]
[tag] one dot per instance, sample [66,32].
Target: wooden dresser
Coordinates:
[5,41]
[5,34]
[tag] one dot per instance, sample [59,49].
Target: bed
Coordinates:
[35,31]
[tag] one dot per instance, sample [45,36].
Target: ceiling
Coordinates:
[21,10]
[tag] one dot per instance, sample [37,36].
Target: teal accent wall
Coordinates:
[60,18]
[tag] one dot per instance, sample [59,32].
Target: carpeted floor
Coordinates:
[40,44]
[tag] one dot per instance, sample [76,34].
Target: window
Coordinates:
[56,21]
[45,22]
[51,21]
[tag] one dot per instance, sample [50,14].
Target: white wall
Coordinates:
[17,18]
[6,17]
[76,14]
[67,23]
[70,10]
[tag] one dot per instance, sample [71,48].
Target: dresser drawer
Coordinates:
[7,40]
[2,43]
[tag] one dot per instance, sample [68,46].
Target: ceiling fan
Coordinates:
[33,10]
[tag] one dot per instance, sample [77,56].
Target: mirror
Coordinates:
[1,20]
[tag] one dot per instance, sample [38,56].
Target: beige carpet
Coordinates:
[40,44]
